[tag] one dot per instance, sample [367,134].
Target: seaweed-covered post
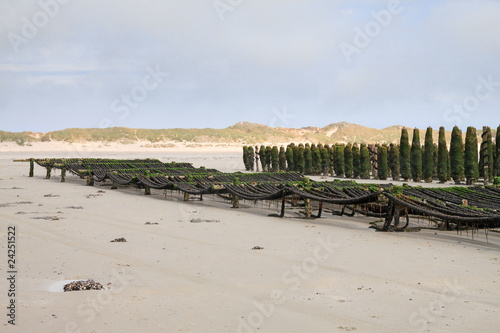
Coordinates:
[32,166]
[90,179]
[114,186]
[373,149]
[147,189]
[487,155]
[282,213]
[307,208]
[306,184]
[257,157]
[48,168]
[63,172]
[236,200]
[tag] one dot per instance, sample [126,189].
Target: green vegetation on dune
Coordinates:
[242,133]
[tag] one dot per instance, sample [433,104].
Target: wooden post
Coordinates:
[32,166]
[307,208]
[114,186]
[373,149]
[90,180]
[320,209]
[397,212]
[389,217]
[485,156]
[48,171]
[186,196]
[236,201]
[257,157]
[147,190]
[283,205]
[63,175]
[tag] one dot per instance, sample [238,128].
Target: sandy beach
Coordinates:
[333,274]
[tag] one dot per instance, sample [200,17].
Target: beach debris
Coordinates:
[202,220]
[119,240]
[83,285]
[8,204]
[101,191]
[48,218]
[50,195]
[93,196]
[257,248]
[151,223]
[74,207]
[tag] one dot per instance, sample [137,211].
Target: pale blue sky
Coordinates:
[274,62]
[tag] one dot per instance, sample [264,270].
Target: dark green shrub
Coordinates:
[428,166]
[497,152]
[275,159]
[457,155]
[325,159]
[383,165]
[471,167]
[394,161]
[316,160]
[355,161]
[245,158]
[289,158]
[348,161]
[308,160]
[269,157]
[442,164]
[300,164]
[339,160]
[262,156]
[251,157]
[404,155]
[416,157]
[364,162]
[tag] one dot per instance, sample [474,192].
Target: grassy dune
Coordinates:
[242,132]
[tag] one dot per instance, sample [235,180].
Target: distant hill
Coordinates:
[242,133]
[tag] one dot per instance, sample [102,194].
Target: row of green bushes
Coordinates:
[428,162]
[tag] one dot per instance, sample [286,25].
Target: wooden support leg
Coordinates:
[32,166]
[63,175]
[389,217]
[307,208]
[353,211]
[90,180]
[397,211]
[186,196]
[407,218]
[320,210]
[114,186]
[48,172]
[236,202]
[282,214]
[147,190]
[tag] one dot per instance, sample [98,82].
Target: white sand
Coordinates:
[332,274]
